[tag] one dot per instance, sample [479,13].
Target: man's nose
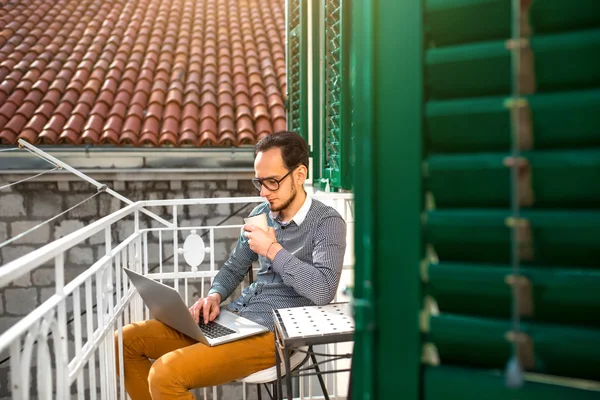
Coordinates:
[264,191]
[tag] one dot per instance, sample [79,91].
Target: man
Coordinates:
[300,259]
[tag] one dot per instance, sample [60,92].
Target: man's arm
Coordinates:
[232,272]
[317,282]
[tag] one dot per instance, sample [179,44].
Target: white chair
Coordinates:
[269,375]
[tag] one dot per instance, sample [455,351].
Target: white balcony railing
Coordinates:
[65,347]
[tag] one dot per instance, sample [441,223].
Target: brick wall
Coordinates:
[29,204]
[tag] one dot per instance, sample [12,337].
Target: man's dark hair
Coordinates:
[293,147]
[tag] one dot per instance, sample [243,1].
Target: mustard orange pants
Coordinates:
[182,363]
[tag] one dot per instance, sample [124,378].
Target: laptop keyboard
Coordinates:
[212,330]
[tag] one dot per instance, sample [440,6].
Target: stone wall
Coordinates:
[28,204]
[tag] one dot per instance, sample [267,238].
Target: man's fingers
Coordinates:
[197,309]
[206,312]
[214,313]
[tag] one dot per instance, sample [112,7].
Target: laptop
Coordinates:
[166,305]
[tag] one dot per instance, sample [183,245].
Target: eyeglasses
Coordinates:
[271,184]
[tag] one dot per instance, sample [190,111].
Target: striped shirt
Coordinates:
[305,272]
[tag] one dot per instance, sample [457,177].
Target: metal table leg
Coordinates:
[278,391]
[350,380]
[318,371]
[288,373]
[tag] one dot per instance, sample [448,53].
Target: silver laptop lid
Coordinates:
[166,305]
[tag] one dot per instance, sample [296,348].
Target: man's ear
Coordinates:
[301,174]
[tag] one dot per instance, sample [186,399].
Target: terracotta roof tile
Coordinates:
[53,95]
[189,132]
[263,126]
[92,129]
[208,128]
[111,130]
[8,109]
[26,110]
[153,72]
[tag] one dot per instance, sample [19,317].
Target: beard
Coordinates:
[287,202]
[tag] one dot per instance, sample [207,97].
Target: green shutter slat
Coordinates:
[442,17]
[483,179]
[558,179]
[481,342]
[561,119]
[557,237]
[566,119]
[560,295]
[553,15]
[476,69]
[454,383]
[556,55]
[484,68]
[466,125]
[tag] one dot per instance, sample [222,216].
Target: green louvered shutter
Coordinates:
[512,178]
[297,66]
[336,138]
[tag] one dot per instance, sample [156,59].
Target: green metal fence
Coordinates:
[336,139]
[297,66]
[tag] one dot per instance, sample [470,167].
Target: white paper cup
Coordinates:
[259,220]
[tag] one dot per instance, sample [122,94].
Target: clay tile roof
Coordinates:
[145,73]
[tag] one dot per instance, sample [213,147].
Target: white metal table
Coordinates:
[307,326]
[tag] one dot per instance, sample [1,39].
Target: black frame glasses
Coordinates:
[271,184]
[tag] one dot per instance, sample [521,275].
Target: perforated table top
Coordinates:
[332,320]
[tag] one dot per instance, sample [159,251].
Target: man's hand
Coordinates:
[260,240]
[209,306]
